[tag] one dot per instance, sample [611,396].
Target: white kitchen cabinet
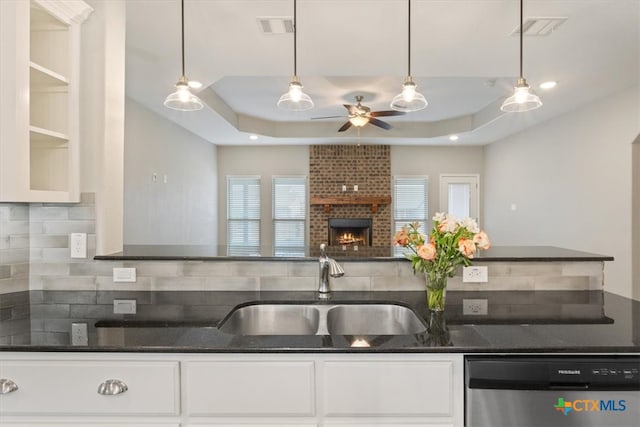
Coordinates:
[239,390]
[260,388]
[39,83]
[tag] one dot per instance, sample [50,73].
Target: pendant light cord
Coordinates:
[521,36]
[182,34]
[295,41]
[409,39]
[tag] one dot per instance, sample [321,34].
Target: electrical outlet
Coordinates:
[78,245]
[475,274]
[79,334]
[475,307]
[124,274]
[124,306]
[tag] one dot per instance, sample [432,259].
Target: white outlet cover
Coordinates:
[121,274]
[475,307]
[475,274]
[79,334]
[124,306]
[78,245]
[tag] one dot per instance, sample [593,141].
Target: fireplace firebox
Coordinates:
[350,231]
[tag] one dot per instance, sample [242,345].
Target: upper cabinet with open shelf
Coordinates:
[39,146]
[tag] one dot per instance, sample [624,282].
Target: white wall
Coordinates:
[183,210]
[266,162]
[434,161]
[570,179]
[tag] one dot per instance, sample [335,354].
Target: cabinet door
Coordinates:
[249,388]
[71,388]
[402,388]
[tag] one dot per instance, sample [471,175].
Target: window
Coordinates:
[289,215]
[410,203]
[243,215]
[459,195]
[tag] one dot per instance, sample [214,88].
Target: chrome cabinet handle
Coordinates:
[7,386]
[112,387]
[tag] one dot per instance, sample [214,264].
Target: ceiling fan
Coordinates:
[360,115]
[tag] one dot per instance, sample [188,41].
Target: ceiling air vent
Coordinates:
[275,24]
[540,26]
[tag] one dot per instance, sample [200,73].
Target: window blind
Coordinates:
[289,215]
[243,215]
[410,203]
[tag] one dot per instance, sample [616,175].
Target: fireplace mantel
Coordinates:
[374,201]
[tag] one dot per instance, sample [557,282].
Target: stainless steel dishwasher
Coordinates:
[537,391]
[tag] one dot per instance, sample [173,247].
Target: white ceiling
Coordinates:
[464,60]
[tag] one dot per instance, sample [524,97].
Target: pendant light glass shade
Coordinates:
[295,99]
[409,99]
[182,99]
[523,98]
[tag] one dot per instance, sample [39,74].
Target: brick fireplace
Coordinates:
[334,170]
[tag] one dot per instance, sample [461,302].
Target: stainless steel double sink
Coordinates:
[322,319]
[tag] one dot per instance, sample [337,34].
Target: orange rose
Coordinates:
[467,247]
[427,252]
[482,240]
[401,238]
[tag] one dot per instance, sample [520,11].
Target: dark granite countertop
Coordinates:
[362,253]
[517,321]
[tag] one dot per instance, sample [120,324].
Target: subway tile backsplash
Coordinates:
[34,255]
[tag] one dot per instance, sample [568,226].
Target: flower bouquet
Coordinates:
[452,242]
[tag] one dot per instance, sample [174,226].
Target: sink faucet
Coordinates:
[328,267]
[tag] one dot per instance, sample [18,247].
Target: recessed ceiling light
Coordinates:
[194,84]
[548,85]
[453,138]
[253,137]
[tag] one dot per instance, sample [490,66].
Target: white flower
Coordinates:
[439,216]
[470,224]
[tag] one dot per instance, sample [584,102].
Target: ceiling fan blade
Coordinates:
[328,117]
[387,113]
[380,123]
[345,127]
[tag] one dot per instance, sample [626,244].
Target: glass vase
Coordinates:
[436,290]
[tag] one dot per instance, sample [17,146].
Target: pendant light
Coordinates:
[182,99]
[409,99]
[523,98]
[295,99]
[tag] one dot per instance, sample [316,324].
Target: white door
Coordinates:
[459,195]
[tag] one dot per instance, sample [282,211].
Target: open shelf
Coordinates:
[41,76]
[38,134]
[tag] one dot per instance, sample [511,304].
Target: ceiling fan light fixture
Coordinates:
[182,99]
[523,99]
[359,121]
[295,99]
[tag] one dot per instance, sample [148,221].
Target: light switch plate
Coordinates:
[475,274]
[124,274]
